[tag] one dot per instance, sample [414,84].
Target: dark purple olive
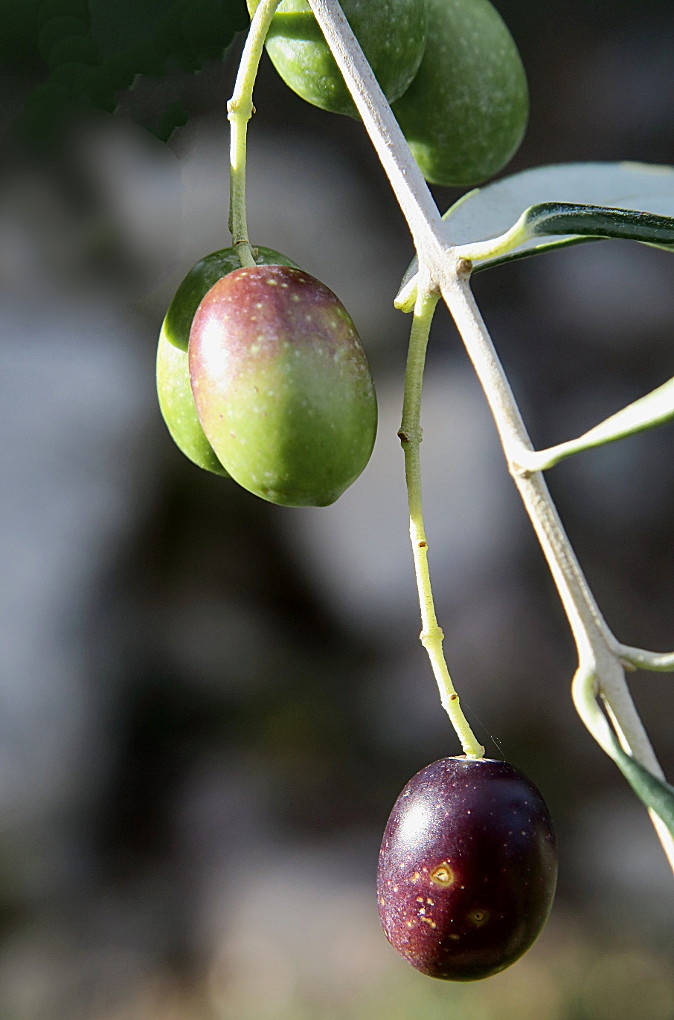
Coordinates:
[467,868]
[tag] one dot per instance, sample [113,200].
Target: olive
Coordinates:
[392,34]
[176,404]
[174,390]
[465,113]
[282,385]
[467,868]
[201,278]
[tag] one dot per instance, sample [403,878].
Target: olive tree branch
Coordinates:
[601,657]
[600,654]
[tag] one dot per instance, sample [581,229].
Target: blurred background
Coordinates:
[208,703]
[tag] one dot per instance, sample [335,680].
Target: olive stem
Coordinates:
[410,435]
[239,111]
[598,649]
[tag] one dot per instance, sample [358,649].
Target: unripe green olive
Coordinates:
[392,34]
[282,386]
[465,113]
[173,375]
[176,404]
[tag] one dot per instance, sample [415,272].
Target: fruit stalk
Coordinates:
[410,435]
[239,111]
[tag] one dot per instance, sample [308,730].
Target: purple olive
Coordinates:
[467,868]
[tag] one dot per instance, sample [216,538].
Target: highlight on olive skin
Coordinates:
[467,868]
[282,386]
[174,389]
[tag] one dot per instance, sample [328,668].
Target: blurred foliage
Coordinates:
[612,982]
[84,53]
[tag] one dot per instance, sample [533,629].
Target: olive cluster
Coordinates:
[450,69]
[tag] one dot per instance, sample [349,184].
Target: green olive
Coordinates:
[465,113]
[176,404]
[282,386]
[392,34]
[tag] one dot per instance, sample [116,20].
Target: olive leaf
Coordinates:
[655,793]
[563,223]
[600,194]
[488,227]
[555,206]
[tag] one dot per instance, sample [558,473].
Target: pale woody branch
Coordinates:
[601,657]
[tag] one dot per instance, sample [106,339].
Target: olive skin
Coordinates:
[392,34]
[174,389]
[201,277]
[176,404]
[467,868]
[465,113]
[282,386]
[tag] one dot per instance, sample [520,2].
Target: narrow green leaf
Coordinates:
[599,221]
[555,206]
[569,223]
[653,792]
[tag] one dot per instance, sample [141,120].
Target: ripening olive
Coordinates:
[465,113]
[467,868]
[282,386]
[201,278]
[173,374]
[392,34]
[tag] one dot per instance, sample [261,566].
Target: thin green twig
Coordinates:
[239,111]
[410,437]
